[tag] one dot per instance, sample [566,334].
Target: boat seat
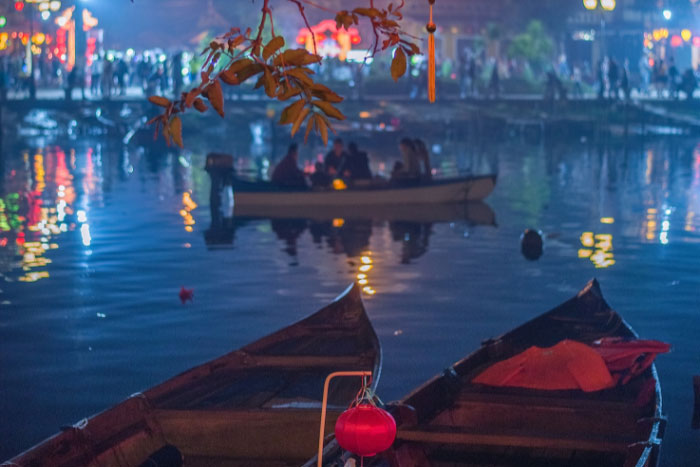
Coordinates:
[513,438]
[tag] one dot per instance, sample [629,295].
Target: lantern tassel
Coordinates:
[431,67]
[431,54]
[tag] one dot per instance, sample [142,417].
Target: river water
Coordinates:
[96,239]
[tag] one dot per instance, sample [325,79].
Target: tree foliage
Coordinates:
[533,45]
[282,73]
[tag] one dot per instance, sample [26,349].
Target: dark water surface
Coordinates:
[96,240]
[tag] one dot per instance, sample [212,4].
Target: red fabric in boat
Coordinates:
[567,365]
[574,365]
[628,358]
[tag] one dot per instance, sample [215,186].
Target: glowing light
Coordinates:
[590,4]
[366,267]
[338,222]
[607,220]
[19,6]
[366,260]
[667,14]
[686,35]
[608,5]
[38,38]
[365,114]
[587,239]
[339,184]
[85,234]
[696,41]
[82,216]
[55,5]
[329,40]
[45,15]
[676,41]
[3,21]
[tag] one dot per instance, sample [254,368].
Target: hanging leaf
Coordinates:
[216,97]
[398,64]
[200,105]
[159,101]
[309,127]
[291,112]
[324,93]
[229,77]
[328,109]
[322,126]
[287,94]
[272,47]
[175,130]
[250,70]
[270,83]
[300,119]
[299,74]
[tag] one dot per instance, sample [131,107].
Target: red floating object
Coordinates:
[365,430]
[186,295]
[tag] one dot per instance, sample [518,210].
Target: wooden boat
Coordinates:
[259,405]
[474,213]
[449,190]
[450,421]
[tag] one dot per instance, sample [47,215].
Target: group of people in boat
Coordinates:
[351,165]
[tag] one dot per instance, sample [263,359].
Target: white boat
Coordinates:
[449,190]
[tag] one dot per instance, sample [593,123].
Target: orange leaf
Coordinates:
[216,97]
[398,64]
[175,130]
[159,101]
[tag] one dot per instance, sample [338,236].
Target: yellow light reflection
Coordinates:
[607,220]
[365,267]
[366,260]
[598,249]
[587,239]
[186,212]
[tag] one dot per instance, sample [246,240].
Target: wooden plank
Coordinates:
[547,400]
[512,438]
[245,434]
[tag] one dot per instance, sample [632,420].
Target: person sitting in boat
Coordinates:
[356,165]
[334,159]
[411,162]
[424,155]
[287,174]
[320,179]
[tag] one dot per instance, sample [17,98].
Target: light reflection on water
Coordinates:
[96,240]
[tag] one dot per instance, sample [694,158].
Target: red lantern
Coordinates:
[365,430]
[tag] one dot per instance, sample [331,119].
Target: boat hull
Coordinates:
[259,405]
[445,191]
[450,420]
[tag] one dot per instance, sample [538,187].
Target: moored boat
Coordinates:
[453,421]
[259,405]
[448,190]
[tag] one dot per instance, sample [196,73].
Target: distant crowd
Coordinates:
[105,76]
[342,168]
